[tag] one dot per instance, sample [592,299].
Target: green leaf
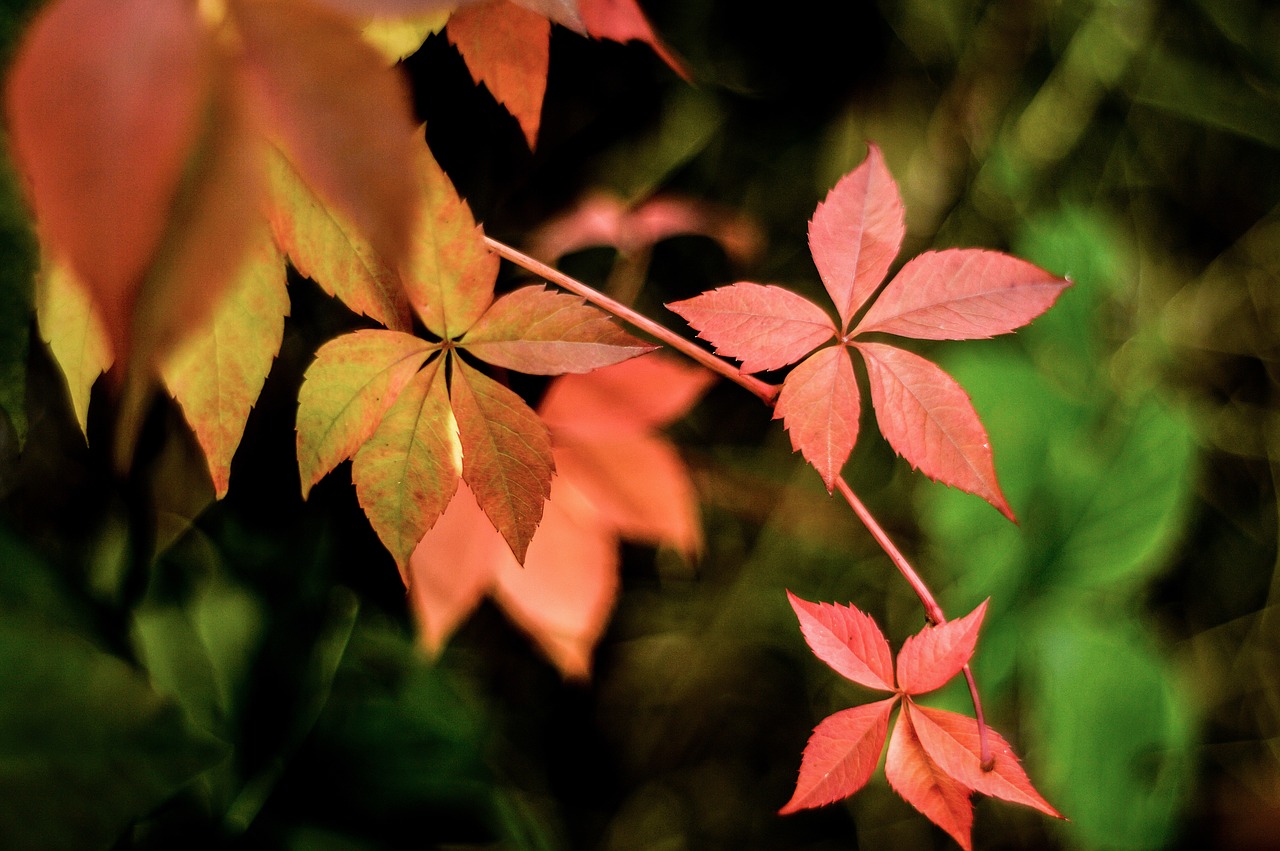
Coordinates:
[217,373]
[1109,724]
[325,246]
[506,454]
[407,472]
[353,381]
[450,272]
[543,332]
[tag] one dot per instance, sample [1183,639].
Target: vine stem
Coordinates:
[767,393]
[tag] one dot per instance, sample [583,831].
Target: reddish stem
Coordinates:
[767,393]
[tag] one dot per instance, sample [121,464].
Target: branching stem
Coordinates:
[767,393]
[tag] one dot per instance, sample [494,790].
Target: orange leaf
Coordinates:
[407,472]
[565,591]
[820,405]
[638,484]
[633,397]
[217,374]
[337,112]
[841,755]
[104,103]
[453,568]
[325,246]
[506,454]
[917,778]
[509,50]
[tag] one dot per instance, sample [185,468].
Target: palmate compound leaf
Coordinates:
[928,420]
[508,48]
[506,454]
[848,640]
[104,103]
[930,658]
[855,234]
[820,404]
[765,327]
[407,471]
[924,785]
[544,332]
[962,294]
[347,390]
[841,755]
[952,741]
[216,375]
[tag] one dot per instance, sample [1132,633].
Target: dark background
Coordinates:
[1130,650]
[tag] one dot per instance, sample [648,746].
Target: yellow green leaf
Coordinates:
[217,374]
[408,470]
[71,326]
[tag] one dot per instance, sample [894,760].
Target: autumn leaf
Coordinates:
[104,102]
[765,327]
[934,757]
[924,785]
[603,219]
[820,405]
[450,273]
[217,374]
[75,333]
[508,49]
[841,755]
[323,244]
[854,236]
[930,658]
[953,742]
[351,384]
[928,420]
[544,332]
[961,294]
[847,640]
[349,138]
[407,471]
[566,589]
[623,20]
[506,454]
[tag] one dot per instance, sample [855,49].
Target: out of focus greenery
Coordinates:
[257,684]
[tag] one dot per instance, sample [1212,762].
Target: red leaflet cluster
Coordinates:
[934,757]
[954,294]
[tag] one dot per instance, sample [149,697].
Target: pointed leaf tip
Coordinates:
[953,742]
[930,658]
[924,785]
[820,405]
[856,232]
[848,640]
[841,755]
[928,419]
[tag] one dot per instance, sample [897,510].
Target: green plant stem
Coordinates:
[767,393]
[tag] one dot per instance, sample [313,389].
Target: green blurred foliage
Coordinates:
[244,674]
